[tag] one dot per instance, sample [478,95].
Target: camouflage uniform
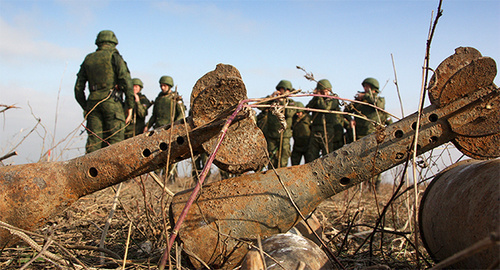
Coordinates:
[364,127]
[325,126]
[301,128]
[167,107]
[270,126]
[108,77]
[139,112]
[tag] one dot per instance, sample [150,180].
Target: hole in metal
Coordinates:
[433,117]
[163,146]
[93,172]
[146,152]
[345,181]
[180,140]
[398,134]
[414,126]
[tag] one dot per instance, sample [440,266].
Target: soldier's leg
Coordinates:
[285,152]
[114,121]
[314,147]
[273,149]
[296,156]
[94,130]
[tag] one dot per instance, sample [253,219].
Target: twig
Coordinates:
[127,245]
[7,107]
[108,220]
[197,188]
[397,87]
[8,155]
[420,112]
[157,180]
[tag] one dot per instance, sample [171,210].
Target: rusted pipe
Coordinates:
[30,193]
[255,204]
[459,208]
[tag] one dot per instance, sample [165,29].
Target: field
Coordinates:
[135,238]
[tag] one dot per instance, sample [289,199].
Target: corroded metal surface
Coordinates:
[243,149]
[254,205]
[31,193]
[462,57]
[459,208]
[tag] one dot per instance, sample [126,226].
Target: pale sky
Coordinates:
[43,43]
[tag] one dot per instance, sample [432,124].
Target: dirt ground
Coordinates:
[136,230]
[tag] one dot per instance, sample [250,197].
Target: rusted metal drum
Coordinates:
[459,208]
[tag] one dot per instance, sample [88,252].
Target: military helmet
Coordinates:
[167,80]
[323,84]
[137,81]
[106,36]
[287,85]
[300,105]
[372,82]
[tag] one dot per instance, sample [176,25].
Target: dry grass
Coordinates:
[348,219]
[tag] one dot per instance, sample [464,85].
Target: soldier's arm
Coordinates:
[81,80]
[123,78]
[142,109]
[179,107]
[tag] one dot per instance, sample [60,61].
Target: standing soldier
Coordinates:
[359,127]
[370,95]
[326,128]
[139,111]
[301,128]
[108,78]
[278,140]
[167,108]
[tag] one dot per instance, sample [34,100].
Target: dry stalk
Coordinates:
[127,245]
[108,220]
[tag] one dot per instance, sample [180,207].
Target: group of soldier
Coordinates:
[320,127]
[317,128]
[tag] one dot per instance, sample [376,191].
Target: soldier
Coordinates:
[370,95]
[301,129]
[108,78]
[168,108]
[358,127]
[139,111]
[326,128]
[278,141]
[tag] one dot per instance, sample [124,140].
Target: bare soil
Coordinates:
[136,230]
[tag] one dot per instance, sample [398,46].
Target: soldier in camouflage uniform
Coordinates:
[326,128]
[139,111]
[301,128]
[370,96]
[278,143]
[108,78]
[361,127]
[168,108]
